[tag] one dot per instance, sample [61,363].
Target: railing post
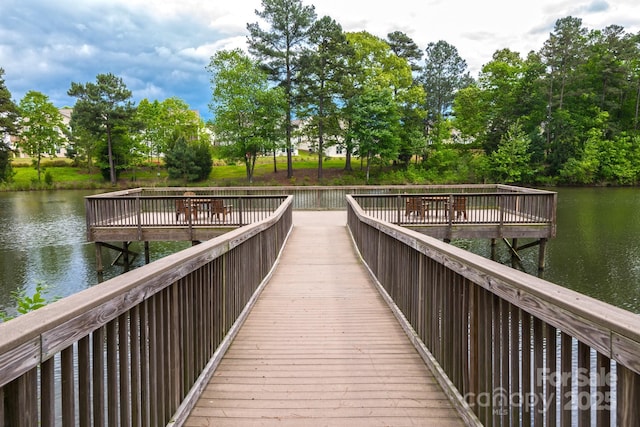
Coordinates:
[628,396]
[190,220]
[139,216]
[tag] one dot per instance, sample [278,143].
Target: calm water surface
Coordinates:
[596,251]
[43,239]
[597,248]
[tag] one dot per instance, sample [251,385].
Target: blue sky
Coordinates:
[160,48]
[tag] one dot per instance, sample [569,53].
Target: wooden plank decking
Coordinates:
[321,348]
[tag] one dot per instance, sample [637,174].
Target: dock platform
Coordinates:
[321,347]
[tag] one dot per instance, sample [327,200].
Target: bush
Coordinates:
[48,178]
[188,161]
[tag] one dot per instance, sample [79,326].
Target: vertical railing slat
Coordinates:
[98,378]
[124,385]
[68,388]
[47,394]
[84,381]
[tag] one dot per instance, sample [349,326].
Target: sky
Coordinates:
[160,48]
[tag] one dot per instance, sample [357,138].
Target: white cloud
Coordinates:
[149,91]
[162,47]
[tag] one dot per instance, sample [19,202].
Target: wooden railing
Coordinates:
[131,351]
[512,348]
[117,211]
[478,208]
[317,197]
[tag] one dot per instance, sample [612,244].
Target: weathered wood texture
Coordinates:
[498,214]
[127,352]
[454,211]
[516,347]
[310,197]
[321,348]
[144,217]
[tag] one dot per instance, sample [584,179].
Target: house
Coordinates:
[305,142]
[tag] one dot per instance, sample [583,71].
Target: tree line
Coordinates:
[107,131]
[567,113]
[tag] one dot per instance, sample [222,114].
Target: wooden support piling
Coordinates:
[99,266]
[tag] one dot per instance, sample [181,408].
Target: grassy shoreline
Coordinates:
[63,175]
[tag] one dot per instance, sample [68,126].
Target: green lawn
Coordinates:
[63,175]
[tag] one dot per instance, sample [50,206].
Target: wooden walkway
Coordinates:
[322,348]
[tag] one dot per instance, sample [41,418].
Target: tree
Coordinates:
[279,49]
[8,126]
[444,73]
[469,113]
[100,108]
[563,54]
[152,136]
[42,127]
[376,125]
[412,100]
[247,112]
[188,160]
[404,47]
[322,69]
[84,145]
[609,75]
[510,162]
[373,66]
[511,94]
[161,120]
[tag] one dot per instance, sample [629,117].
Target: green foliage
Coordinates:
[159,121]
[103,110]
[26,303]
[441,165]
[404,47]
[510,163]
[444,73]
[604,161]
[376,125]
[48,178]
[8,118]
[6,171]
[323,67]
[278,49]
[247,111]
[42,127]
[188,161]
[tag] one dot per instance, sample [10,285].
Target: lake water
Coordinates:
[43,239]
[596,251]
[597,247]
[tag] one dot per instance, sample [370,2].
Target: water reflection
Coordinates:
[43,240]
[596,251]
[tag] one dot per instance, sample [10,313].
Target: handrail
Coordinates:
[515,347]
[490,207]
[128,351]
[318,197]
[160,210]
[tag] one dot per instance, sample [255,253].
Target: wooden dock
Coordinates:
[321,347]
